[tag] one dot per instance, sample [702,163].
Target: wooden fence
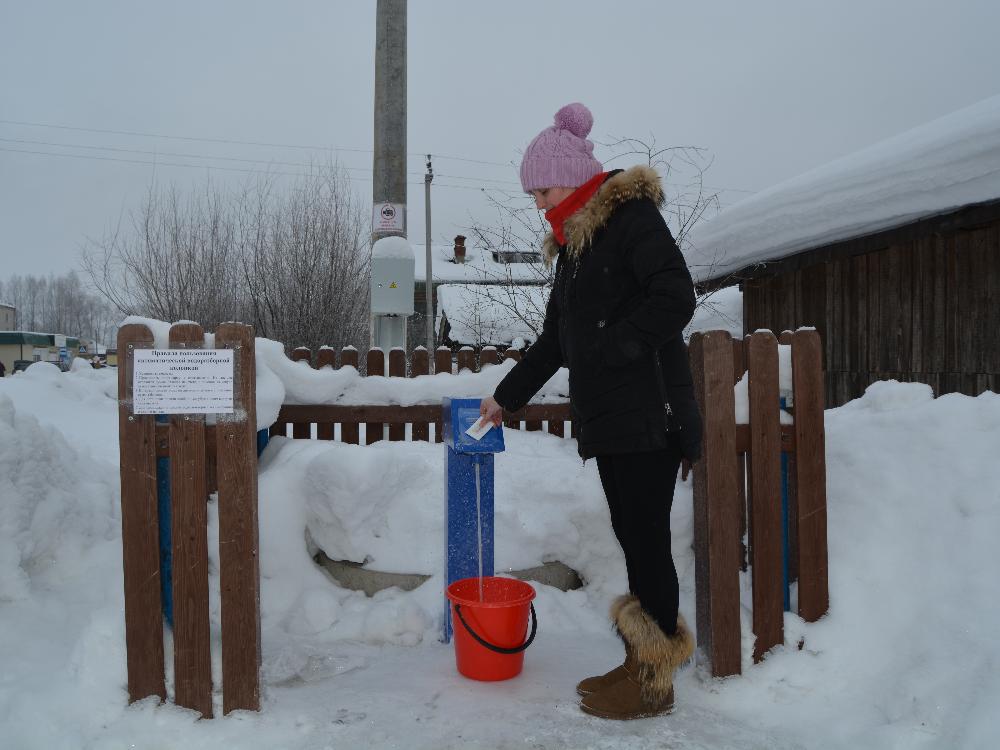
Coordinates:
[738,490]
[737,487]
[326,421]
[202,458]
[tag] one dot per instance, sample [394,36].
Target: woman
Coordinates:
[621,297]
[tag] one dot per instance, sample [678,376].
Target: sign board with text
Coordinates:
[388,217]
[182,381]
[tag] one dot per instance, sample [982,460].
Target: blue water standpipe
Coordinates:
[468,514]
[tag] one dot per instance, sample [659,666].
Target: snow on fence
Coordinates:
[738,488]
[192,459]
[390,421]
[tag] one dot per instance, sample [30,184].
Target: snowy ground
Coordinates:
[907,658]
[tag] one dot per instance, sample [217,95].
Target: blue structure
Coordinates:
[468,475]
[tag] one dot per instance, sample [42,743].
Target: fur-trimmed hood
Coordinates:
[636,182]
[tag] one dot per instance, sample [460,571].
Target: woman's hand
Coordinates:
[490,409]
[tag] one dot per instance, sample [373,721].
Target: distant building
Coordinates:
[8,313]
[479,315]
[457,264]
[21,348]
[891,253]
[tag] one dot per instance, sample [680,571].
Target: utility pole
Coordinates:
[389,164]
[428,282]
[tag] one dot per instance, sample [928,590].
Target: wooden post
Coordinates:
[302,431]
[376,366]
[140,528]
[466,359]
[236,447]
[810,475]
[189,535]
[765,526]
[349,432]
[488,356]
[420,365]
[397,369]
[716,505]
[325,357]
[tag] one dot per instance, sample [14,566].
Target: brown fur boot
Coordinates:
[647,690]
[594,684]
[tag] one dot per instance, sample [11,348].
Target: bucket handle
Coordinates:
[500,649]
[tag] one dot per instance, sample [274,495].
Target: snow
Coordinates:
[394,247]
[479,266]
[948,163]
[490,314]
[721,310]
[907,656]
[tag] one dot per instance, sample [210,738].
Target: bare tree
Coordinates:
[58,304]
[294,264]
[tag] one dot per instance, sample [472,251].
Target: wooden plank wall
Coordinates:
[923,308]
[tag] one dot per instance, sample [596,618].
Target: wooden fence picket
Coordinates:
[375,366]
[420,365]
[189,538]
[302,354]
[350,433]
[140,528]
[717,511]
[810,476]
[236,446]
[325,357]
[765,461]
[397,369]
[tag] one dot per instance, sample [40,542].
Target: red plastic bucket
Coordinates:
[491,633]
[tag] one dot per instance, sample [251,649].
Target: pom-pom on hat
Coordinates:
[561,155]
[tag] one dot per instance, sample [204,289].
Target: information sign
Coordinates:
[182,381]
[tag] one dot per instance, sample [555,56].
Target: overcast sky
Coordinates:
[770,89]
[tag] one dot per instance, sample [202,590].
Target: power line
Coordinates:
[147,162]
[265,144]
[231,141]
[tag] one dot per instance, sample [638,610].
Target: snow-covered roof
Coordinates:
[7,304]
[484,314]
[479,266]
[948,163]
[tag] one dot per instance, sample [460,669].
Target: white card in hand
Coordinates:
[479,428]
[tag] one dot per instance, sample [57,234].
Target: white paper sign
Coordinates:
[388,217]
[182,381]
[479,428]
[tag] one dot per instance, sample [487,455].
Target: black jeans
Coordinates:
[640,490]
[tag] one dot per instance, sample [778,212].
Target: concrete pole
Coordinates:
[389,179]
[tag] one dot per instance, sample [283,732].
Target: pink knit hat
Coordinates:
[561,155]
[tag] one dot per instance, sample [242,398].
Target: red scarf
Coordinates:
[571,204]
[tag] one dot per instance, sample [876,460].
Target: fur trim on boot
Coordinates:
[657,654]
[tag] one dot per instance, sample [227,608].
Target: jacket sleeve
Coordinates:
[540,362]
[668,299]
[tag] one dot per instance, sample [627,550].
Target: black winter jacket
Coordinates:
[621,297]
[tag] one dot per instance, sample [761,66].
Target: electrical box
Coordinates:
[392,276]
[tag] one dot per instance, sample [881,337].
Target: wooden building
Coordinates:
[893,254]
